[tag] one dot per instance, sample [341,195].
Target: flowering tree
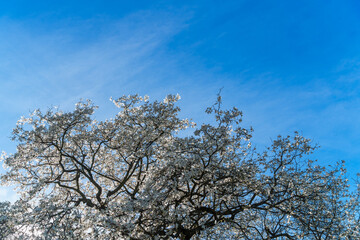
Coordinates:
[134,177]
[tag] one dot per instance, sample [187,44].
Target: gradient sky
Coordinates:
[288,65]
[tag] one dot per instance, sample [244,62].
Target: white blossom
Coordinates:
[133,177]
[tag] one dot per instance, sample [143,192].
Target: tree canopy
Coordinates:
[137,176]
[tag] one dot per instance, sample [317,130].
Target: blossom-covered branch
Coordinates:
[134,177]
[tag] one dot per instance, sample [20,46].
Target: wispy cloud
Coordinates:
[58,66]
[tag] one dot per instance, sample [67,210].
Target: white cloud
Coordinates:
[60,66]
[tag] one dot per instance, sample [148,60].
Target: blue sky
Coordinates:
[288,65]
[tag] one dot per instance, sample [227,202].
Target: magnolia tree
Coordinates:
[135,177]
